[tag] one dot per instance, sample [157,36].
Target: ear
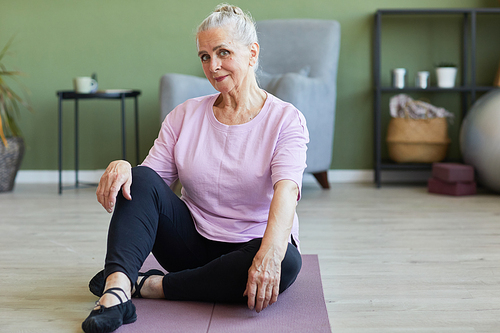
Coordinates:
[254,53]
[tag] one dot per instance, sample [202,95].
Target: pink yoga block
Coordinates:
[453,172]
[457,188]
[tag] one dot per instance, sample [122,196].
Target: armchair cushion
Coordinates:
[314,99]
[299,59]
[178,88]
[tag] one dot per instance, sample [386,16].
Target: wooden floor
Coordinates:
[396,259]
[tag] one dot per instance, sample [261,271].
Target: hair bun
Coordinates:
[225,8]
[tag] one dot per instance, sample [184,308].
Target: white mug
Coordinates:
[422,80]
[84,85]
[398,78]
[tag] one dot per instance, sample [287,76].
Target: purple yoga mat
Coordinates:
[301,308]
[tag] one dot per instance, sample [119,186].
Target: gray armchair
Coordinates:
[298,64]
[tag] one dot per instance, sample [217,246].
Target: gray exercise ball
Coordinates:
[480,139]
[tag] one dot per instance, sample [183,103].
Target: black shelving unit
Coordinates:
[468,89]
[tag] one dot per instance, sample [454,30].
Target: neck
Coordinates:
[241,104]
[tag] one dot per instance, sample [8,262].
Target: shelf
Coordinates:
[408,166]
[447,11]
[430,89]
[437,89]
[485,88]
[390,165]
[467,93]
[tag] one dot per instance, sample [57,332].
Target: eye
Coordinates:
[204,57]
[223,53]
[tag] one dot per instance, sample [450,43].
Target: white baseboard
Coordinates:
[334,176]
[343,176]
[52,176]
[367,176]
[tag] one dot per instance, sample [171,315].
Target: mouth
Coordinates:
[220,78]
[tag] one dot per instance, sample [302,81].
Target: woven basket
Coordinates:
[417,140]
[10,161]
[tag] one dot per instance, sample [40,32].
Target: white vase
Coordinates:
[446,77]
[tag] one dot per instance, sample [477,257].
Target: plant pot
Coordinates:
[446,77]
[10,161]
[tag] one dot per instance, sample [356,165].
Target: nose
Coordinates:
[214,64]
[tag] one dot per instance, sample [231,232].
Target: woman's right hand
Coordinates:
[118,175]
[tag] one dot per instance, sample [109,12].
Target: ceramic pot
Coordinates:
[10,162]
[446,77]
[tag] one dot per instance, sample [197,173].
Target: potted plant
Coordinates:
[11,141]
[446,74]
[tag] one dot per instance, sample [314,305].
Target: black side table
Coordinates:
[109,94]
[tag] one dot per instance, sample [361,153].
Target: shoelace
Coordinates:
[109,291]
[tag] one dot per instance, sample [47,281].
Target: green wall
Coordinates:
[130,44]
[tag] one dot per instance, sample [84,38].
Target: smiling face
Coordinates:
[227,64]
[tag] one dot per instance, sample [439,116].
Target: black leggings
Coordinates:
[157,221]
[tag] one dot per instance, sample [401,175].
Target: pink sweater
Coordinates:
[228,172]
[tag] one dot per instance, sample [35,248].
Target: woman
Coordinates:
[240,156]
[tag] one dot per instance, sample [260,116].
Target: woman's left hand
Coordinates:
[264,276]
[263,283]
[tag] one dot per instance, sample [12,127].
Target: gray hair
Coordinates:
[241,23]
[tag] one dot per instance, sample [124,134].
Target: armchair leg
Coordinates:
[322,178]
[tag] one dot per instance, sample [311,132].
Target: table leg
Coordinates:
[60,142]
[76,143]
[136,109]
[124,147]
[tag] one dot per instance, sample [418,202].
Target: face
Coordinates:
[226,62]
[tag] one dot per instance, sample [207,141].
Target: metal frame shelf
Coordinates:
[467,90]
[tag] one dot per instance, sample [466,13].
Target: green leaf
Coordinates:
[10,101]
[6,47]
